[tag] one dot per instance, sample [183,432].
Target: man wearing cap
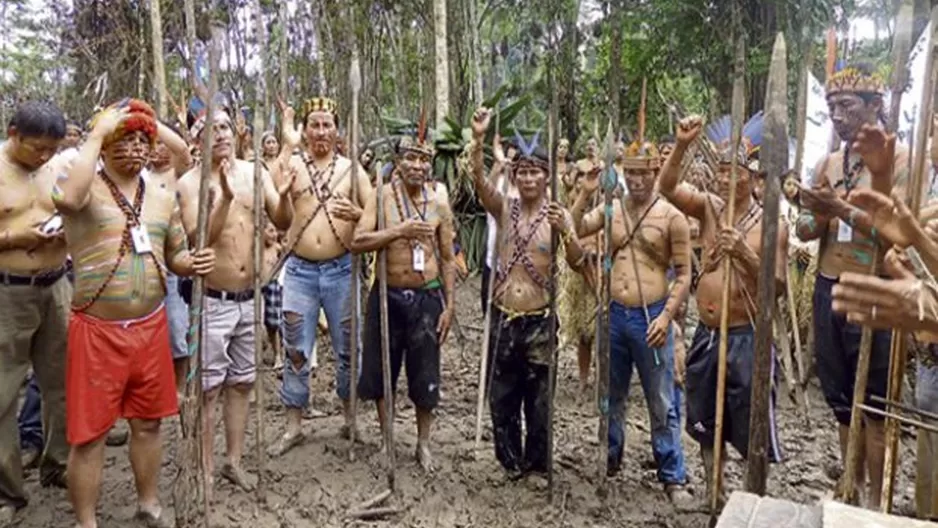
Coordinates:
[228,361]
[318,270]
[123,233]
[738,239]
[855,98]
[656,235]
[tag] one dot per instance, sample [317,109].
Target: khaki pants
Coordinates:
[33,331]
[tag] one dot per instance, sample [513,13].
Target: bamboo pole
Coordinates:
[774,164]
[191,481]
[901,47]
[898,353]
[259,213]
[355,83]
[554,244]
[738,108]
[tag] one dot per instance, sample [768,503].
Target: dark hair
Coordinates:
[39,119]
[666,139]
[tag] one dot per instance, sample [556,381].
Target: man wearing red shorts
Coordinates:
[122,234]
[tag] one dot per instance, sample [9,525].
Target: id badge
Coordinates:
[419,261]
[844,232]
[141,240]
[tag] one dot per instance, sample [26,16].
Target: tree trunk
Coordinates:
[614,75]
[159,67]
[442,62]
[478,87]
[284,52]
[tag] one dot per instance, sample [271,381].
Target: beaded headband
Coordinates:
[320,104]
[529,152]
[852,80]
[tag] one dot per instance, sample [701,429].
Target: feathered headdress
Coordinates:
[720,134]
[855,80]
[642,156]
[530,152]
[142,119]
[418,142]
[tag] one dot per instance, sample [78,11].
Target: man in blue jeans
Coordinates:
[319,268]
[649,236]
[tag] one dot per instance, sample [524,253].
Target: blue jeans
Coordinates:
[656,372]
[30,419]
[307,287]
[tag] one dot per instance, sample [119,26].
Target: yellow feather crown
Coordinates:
[320,104]
[642,156]
[852,80]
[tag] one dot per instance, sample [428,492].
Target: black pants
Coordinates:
[520,358]
[484,294]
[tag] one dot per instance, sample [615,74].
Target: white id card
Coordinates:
[844,232]
[141,240]
[419,262]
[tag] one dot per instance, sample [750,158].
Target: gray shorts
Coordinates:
[177,311]
[228,343]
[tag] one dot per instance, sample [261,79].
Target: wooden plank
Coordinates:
[747,510]
[838,515]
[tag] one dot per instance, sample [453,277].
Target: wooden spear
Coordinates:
[609,183]
[191,481]
[898,354]
[739,106]
[901,47]
[774,160]
[382,284]
[259,213]
[355,82]
[829,66]
[554,243]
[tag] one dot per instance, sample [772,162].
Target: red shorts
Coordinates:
[117,368]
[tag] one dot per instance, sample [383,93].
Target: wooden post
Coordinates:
[554,244]
[259,213]
[609,181]
[801,116]
[774,160]
[190,488]
[355,83]
[901,47]
[739,106]
[898,353]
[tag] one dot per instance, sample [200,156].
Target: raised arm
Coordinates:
[586,224]
[182,158]
[71,195]
[488,194]
[689,200]
[277,199]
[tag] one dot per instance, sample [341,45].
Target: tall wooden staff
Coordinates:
[901,46]
[259,213]
[554,243]
[388,424]
[609,183]
[739,106]
[774,160]
[355,82]
[898,353]
[191,480]
[829,65]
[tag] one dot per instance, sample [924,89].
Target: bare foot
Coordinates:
[151,517]
[286,442]
[425,458]
[237,476]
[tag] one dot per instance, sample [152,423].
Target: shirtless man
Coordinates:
[418,240]
[34,286]
[739,239]
[658,239]
[855,99]
[521,321]
[122,233]
[170,160]
[319,268]
[228,360]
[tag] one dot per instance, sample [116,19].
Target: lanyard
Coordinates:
[423,215]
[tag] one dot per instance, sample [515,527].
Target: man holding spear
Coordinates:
[650,236]
[738,239]
[318,259]
[521,319]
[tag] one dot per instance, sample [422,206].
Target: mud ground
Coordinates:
[315,485]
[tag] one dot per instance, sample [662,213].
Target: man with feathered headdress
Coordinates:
[740,240]
[855,98]
[123,232]
[417,236]
[521,320]
[318,270]
[650,237]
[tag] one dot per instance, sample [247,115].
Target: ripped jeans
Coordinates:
[307,287]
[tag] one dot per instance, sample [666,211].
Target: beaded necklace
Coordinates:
[521,243]
[320,188]
[133,219]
